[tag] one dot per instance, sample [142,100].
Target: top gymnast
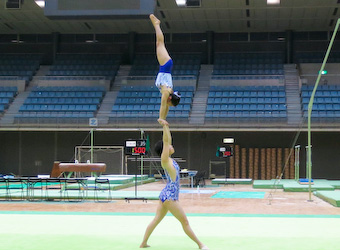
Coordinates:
[164,78]
[168,198]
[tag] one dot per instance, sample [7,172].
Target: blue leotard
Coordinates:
[171,190]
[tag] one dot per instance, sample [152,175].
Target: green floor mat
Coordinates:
[239,195]
[332,197]
[125,232]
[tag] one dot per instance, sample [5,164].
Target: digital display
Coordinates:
[135,147]
[98,9]
[97,4]
[224,151]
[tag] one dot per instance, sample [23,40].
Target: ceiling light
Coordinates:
[94,40]
[17,40]
[181,3]
[40,3]
[273,1]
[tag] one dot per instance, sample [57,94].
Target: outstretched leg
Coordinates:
[175,208]
[161,51]
[161,212]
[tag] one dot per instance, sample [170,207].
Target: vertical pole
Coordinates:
[91,145]
[297,162]
[310,107]
[136,176]
[141,161]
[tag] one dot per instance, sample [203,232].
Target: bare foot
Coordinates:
[163,122]
[204,247]
[144,245]
[155,21]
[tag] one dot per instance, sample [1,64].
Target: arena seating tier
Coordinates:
[316,57]
[185,66]
[326,105]
[20,66]
[246,102]
[248,66]
[69,104]
[144,102]
[7,95]
[85,65]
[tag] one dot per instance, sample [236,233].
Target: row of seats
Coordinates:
[246,114]
[142,94]
[252,100]
[324,114]
[120,100]
[17,67]
[58,100]
[59,114]
[247,94]
[7,94]
[248,72]
[84,67]
[148,107]
[326,102]
[322,100]
[147,99]
[316,57]
[248,88]
[148,114]
[249,66]
[322,93]
[69,94]
[184,65]
[58,107]
[82,73]
[246,77]
[327,107]
[21,65]
[68,88]
[152,88]
[4,100]
[73,78]
[320,87]
[61,102]
[246,107]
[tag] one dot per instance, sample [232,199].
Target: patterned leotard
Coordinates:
[171,190]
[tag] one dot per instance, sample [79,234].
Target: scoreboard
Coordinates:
[224,151]
[135,147]
[98,9]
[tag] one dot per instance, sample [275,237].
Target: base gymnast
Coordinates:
[169,195]
[164,78]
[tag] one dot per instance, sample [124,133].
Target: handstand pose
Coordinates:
[169,195]
[164,78]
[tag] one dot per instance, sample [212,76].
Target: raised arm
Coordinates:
[167,141]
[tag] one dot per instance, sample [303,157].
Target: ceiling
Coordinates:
[213,15]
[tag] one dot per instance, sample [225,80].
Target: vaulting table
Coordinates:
[77,168]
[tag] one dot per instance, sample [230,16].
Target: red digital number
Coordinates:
[138,150]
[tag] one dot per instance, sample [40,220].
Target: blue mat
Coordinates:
[239,195]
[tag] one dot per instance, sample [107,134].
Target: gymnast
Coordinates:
[169,195]
[164,78]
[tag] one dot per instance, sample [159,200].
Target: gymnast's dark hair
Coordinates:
[175,98]
[159,148]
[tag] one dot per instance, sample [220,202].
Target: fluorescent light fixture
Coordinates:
[273,1]
[40,3]
[228,140]
[17,40]
[94,40]
[181,3]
